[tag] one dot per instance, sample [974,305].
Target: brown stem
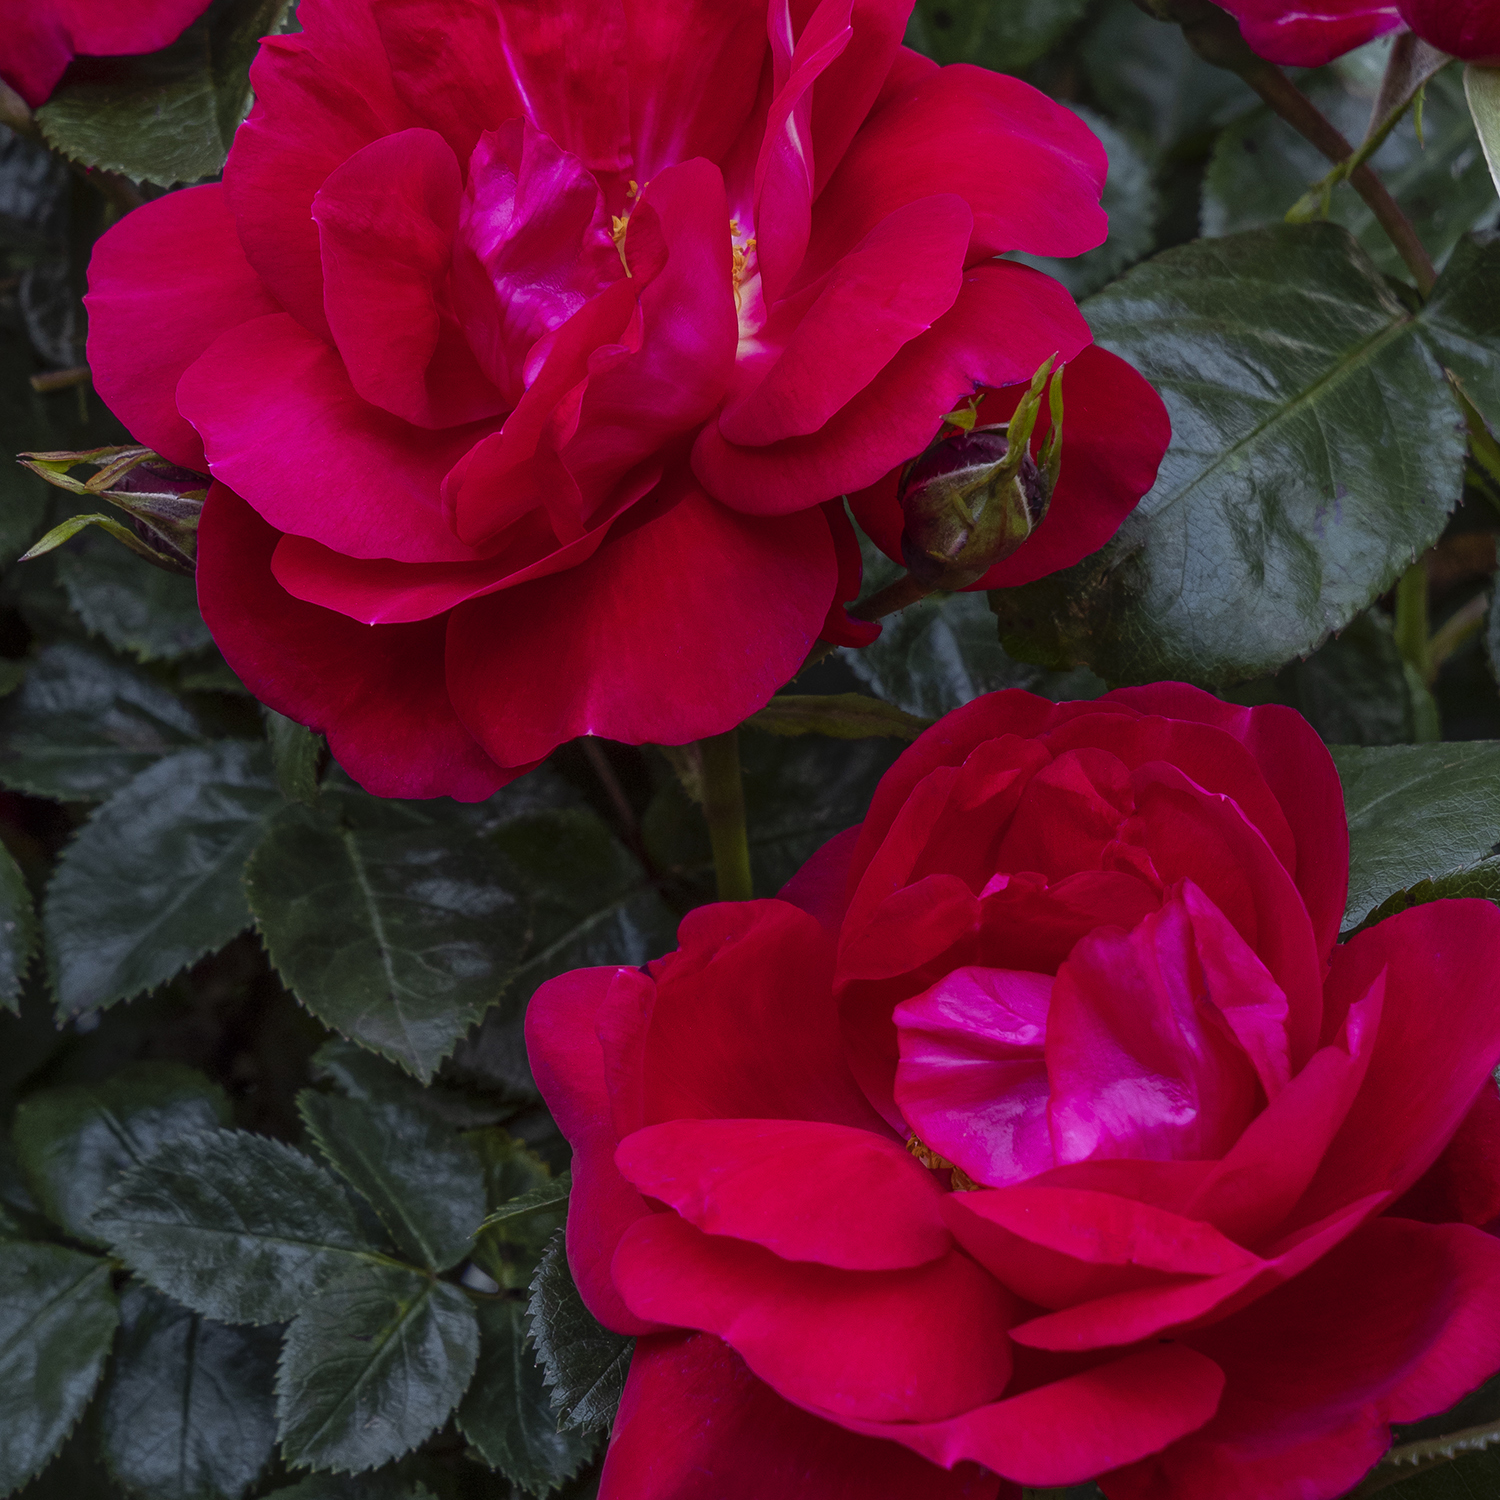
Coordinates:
[903,591]
[1309,122]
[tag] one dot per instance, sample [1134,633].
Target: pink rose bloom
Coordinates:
[531,346]
[1309,35]
[39,38]
[1040,1131]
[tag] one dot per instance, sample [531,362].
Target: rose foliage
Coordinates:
[1039,1124]
[526,334]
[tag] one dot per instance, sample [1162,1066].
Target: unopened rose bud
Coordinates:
[972,499]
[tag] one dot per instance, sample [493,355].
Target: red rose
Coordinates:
[528,344]
[1314,32]
[1042,1126]
[1469,29]
[39,38]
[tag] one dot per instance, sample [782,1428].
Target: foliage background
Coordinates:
[261,1069]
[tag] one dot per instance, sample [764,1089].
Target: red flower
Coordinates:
[39,38]
[1310,34]
[538,338]
[1041,1130]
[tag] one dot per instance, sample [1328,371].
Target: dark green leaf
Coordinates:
[421,1177]
[73,1143]
[383,1486]
[585,1363]
[510,1243]
[1420,813]
[153,880]
[546,1198]
[18,932]
[57,1320]
[372,1367]
[1470,1476]
[1354,690]
[944,652]
[296,752]
[1002,34]
[234,1226]
[82,725]
[1315,451]
[397,933]
[1261,167]
[362,1075]
[168,117]
[840,716]
[1462,321]
[508,1415]
[189,1410]
[146,611]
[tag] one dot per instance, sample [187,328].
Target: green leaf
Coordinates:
[838,716]
[1461,321]
[1424,822]
[167,117]
[189,1411]
[152,882]
[57,1320]
[548,1197]
[18,932]
[1004,34]
[73,1143]
[1315,451]
[372,1367]
[1353,689]
[507,1414]
[1471,1476]
[82,725]
[148,612]
[234,1226]
[1482,88]
[585,1363]
[296,752]
[943,652]
[510,1243]
[1261,167]
[395,932]
[383,1486]
[423,1179]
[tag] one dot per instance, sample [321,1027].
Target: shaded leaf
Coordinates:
[167,117]
[1315,451]
[547,1197]
[373,1366]
[234,1226]
[421,1177]
[189,1411]
[18,932]
[841,716]
[73,1143]
[585,1363]
[1001,34]
[1420,813]
[152,882]
[1461,321]
[57,1320]
[362,1075]
[148,612]
[509,1244]
[383,1486]
[82,725]
[507,1414]
[295,752]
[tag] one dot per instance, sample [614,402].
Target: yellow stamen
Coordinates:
[962,1182]
[741,261]
[618,225]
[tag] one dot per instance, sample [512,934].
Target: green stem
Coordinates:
[724,808]
[1412,633]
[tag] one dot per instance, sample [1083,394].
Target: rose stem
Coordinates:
[1309,122]
[724,808]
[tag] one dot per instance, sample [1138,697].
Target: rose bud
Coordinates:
[973,498]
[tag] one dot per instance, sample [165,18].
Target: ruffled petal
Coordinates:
[677,628]
[377,693]
[1006,321]
[766,1181]
[283,427]
[562,1043]
[885,1346]
[164,283]
[695,1424]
